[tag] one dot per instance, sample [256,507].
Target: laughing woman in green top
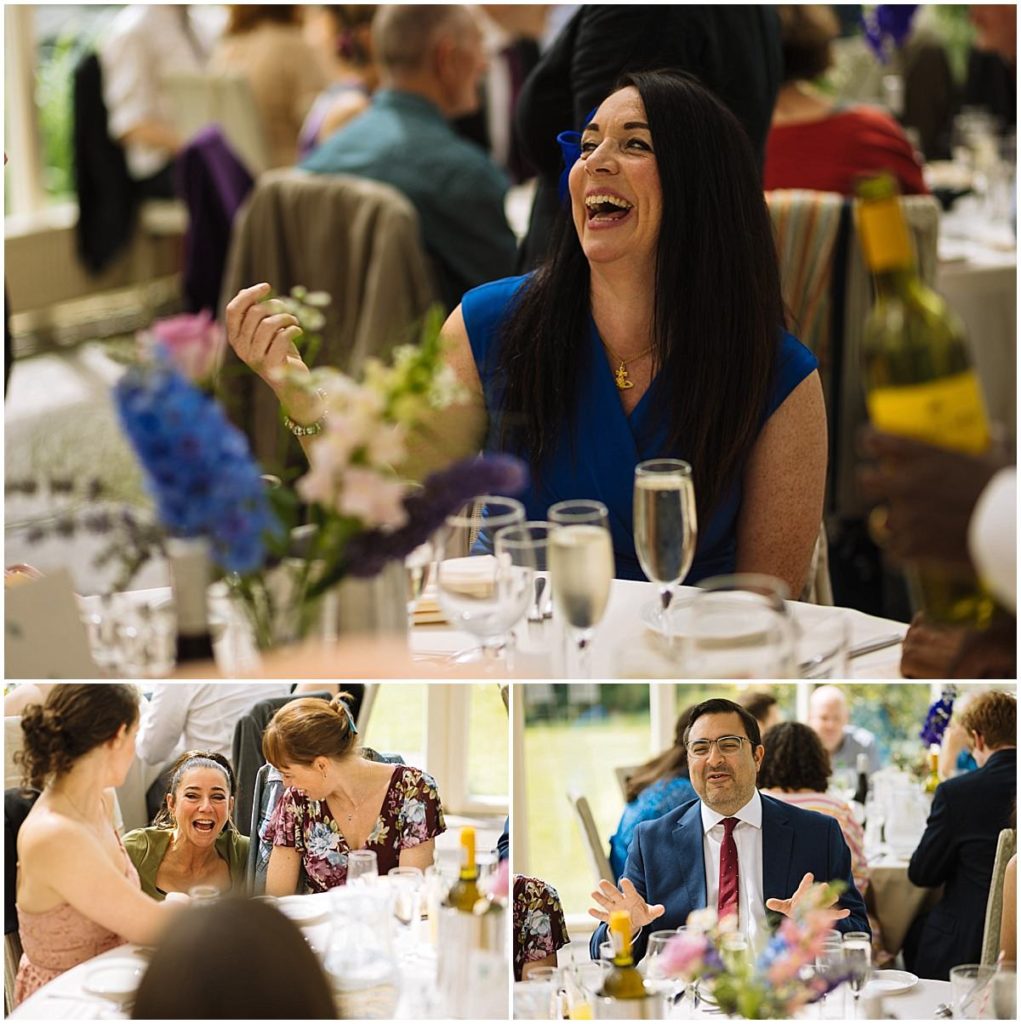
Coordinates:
[192,841]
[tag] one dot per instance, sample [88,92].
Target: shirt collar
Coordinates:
[750,813]
[407,101]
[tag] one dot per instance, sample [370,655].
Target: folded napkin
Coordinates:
[471,577]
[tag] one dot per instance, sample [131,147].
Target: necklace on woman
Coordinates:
[620,375]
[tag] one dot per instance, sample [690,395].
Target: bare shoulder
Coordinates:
[458,351]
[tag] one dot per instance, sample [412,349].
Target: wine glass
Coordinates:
[362,867]
[581,570]
[407,892]
[471,582]
[829,965]
[857,950]
[417,569]
[665,525]
[517,555]
[740,628]
[656,978]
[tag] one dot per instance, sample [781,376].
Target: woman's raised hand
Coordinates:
[262,335]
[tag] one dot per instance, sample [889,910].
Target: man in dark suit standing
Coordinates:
[959,844]
[733,849]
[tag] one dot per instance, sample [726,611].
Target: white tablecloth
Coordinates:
[65,997]
[621,637]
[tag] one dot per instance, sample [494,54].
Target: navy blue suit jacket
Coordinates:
[666,863]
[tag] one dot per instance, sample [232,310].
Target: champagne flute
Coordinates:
[417,569]
[581,570]
[665,523]
[857,950]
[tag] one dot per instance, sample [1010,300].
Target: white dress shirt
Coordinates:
[197,716]
[748,839]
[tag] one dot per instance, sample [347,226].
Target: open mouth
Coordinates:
[203,825]
[604,207]
[717,776]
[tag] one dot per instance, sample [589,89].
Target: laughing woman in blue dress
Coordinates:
[655,328]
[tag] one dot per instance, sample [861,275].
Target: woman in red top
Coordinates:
[815,143]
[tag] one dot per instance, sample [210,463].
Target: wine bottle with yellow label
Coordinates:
[623,981]
[464,893]
[932,781]
[919,379]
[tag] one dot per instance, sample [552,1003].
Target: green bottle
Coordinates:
[623,981]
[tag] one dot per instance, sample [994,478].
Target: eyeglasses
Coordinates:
[724,744]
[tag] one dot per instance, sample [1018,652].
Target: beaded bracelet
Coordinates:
[307,430]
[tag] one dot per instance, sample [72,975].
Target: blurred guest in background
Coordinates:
[336,801]
[342,36]
[814,143]
[264,43]
[193,840]
[958,510]
[829,717]
[955,754]
[431,59]
[992,62]
[958,847]
[733,51]
[539,927]
[654,788]
[763,706]
[796,769]
[145,43]
[234,960]
[78,893]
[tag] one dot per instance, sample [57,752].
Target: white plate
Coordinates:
[114,979]
[677,615]
[304,911]
[889,983]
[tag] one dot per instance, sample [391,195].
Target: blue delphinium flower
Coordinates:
[938,718]
[888,26]
[198,466]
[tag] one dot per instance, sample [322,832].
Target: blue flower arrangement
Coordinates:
[887,27]
[938,718]
[198,466]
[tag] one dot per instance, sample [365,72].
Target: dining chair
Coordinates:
[592,841]
[622,773]
[18,801]
[357,240]
[1006,847]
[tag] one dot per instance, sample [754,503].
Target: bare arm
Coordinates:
[283,871]
[1008,918]
[420,856]
[68,860]
[533,965]
[784,484]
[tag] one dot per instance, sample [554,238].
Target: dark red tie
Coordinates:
[727,900]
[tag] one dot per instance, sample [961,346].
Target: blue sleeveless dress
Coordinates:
[609,442]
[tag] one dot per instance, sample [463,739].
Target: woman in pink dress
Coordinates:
[77,892]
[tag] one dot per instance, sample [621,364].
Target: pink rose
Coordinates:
[498,883]
[683,957]
[194,342]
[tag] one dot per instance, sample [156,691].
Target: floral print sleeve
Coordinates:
[539,927]
[413,806]
[284,827]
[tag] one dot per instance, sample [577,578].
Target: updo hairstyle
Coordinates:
[309,727]
[188,760]
[76,718]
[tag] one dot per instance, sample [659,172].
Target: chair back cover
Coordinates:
[593,844]
[1006,847]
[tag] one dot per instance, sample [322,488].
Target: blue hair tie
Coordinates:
[570,148]
[350,717]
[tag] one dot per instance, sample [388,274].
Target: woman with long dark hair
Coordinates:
[655,329]
[652,789]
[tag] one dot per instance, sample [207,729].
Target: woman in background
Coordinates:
[264,43]
[338,801]
[539,928]
[78,893]
[193,840]
[656,787]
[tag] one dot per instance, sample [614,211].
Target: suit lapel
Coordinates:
[777,843]
[691,856]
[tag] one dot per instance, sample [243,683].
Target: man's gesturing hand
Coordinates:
[787,907]
[610,898]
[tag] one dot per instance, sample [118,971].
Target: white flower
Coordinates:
[376,500]
[386,446]
[702,920]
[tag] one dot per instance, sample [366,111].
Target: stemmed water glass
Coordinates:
[362,867]
[477,590]
[665,524]
[656,978]
[581,571]
[857,950]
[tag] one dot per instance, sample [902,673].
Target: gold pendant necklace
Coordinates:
[620,376]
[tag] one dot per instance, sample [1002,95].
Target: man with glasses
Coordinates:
[733,849]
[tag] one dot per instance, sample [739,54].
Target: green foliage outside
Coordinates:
[53,94]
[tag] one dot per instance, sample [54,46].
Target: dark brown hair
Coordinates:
[807,32]
[76,718]
[271,975]
[795,759]
[758,703]
[243,18]
[188,760]
[994,715]
[668,765]
[307,728]
[722,706]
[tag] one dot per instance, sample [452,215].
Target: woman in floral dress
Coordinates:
[539,928]
[337,801]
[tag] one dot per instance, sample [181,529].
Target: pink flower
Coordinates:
[376,500]
[683,957]
[499,882]
[194,342]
